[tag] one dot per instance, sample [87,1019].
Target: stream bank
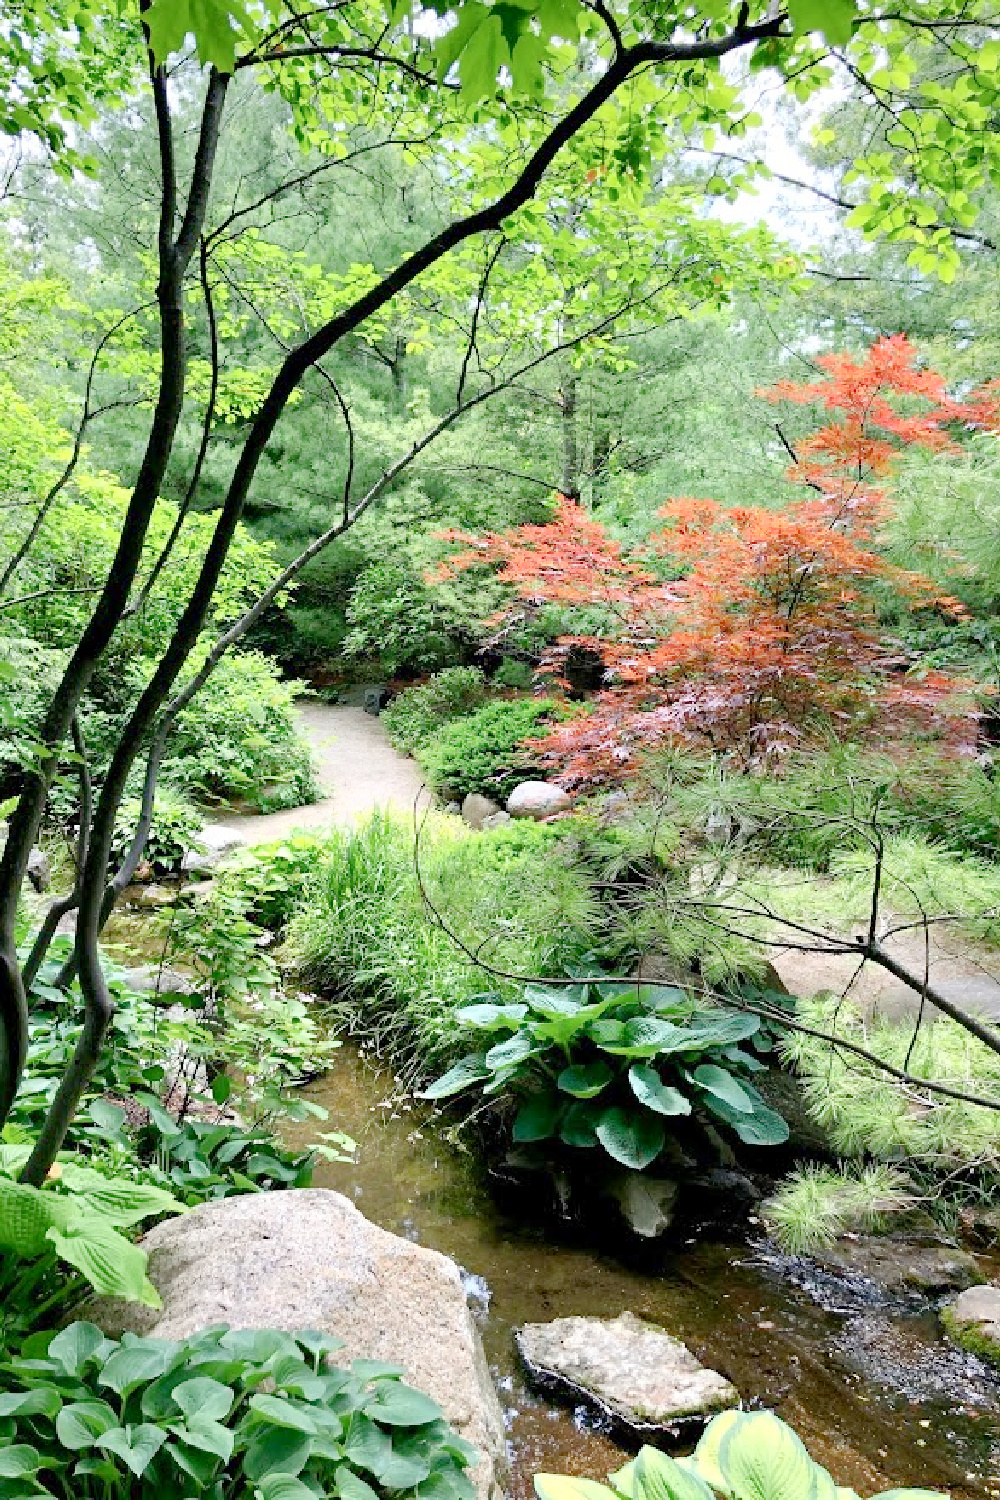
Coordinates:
[870,1386]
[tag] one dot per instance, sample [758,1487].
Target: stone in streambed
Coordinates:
[307,1258]
[214,842]
[537,799]
[636,1375]
[972,1320]
[908,1261]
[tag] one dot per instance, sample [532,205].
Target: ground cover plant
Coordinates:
[740,1455]
[482,751]
[248,1413]
[414,715]
[613,1066]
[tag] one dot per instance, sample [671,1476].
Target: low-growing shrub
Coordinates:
[483,751]
[175,827]
[816,1205]
[418,712]
[396,618]
[247,1413]
[271,879]
[608,1065]
[239,740]
[740,1456]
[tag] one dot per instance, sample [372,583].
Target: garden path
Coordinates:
[357,770]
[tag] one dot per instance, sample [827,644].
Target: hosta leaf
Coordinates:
[721,1083]
[538,1117]
[507,1017]
[281,1413]
[351,1486]
[514,1050]
[578,1126]
[283,1487]
[205,1398]
[137,1446]
[367,1445]
[760,1457]
[399,1405]
[568,1487]
[547,1000]
[585,1080]
[706,1456]
[80,1424]
[112,1264]
[650,1090]
[118,1201]
[18,1460]
[661,1478]
[463,1075]
[132,1365]
[77,1344]
[209,1436]
[644,1036]
[43,1401]
[632,1137]
[276,1450]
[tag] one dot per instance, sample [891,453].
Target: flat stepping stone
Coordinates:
[635,1375]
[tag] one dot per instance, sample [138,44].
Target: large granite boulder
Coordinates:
[639,1378]
[309,1259]
[537,799]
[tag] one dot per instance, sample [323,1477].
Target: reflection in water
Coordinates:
[872,1428]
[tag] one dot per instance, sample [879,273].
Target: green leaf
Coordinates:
[650,1090]
[585,1080]
[351,1486]
[132,1365]
[833,18]
[204,1397]
[760,1457]
[77,1344]
[488,1017]
[118,1201]
[568,1487]
[282,1413]
[644,1036]
[579,1124]
[538,1117]
[80,1424]
[721,1083]
[632,1137]
[659,1477]
[397,1405]
[43,1401]
[514,1050]
[276,1450]
[367,1445]
[209,1437]
[465,1073]
[18,1460]
[283,1487]
[137,1446]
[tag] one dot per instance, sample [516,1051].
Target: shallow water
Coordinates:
[878,1398]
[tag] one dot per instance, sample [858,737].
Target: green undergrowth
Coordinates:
[817,1204]
[365,934]
[867,1114]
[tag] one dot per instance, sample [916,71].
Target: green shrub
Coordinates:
[364,934]
[271,879]
[175,827]
[512,673]
[587,1065]
[239,739]
[816,1205]
[418,712]
[481,752]
[248,1413]
[740,1455]
[394,617]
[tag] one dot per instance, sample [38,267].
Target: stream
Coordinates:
[874,1392]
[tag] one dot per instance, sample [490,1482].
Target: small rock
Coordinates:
[973,1320]
[982,1226]
[154,896]
[636,1375]
[902,1264]
[537,799]
[495,820]
[455,808]
[376,699]
[152,981]
[39,870]
[476,808]
[214,842]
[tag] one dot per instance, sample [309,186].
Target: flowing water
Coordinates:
[876,1395]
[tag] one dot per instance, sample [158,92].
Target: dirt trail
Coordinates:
[357,769]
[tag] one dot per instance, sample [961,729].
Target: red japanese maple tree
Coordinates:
[743,628]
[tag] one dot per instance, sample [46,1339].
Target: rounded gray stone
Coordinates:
[477,808]
[537,799]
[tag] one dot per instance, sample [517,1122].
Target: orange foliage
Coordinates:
[743,628]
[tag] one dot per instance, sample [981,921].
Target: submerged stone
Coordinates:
[636,1375]
[903,1263]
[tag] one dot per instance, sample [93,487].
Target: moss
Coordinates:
[970,1336]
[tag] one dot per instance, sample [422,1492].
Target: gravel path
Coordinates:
[357,769]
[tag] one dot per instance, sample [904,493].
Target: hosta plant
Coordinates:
[610,1065]
[741,1456]
[248,1414]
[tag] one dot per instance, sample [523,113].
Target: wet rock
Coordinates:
[149,980]
[901,1263]
[39,870]
[973,1321]
[982,1226]
[477,808]
[307,1258]
[537,799]
[646,1203]
[215,841]
[637,1376]
[155,896]
[495,820]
